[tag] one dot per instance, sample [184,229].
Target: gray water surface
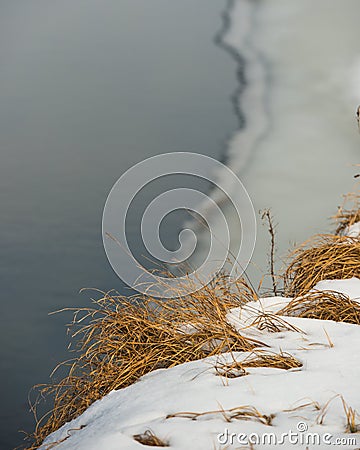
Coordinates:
[87,89]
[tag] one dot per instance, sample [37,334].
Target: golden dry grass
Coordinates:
[119,339]
[272,323]
[352,418]
[246,412]
[324,305]
[150,439]
[258,358]
[323,257]
[282,360]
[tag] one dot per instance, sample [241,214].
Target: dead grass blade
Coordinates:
[272,323]
[239,413]
[150,439]
[352,418]
[231,370]
[345,217]
[311,403]
[52,445]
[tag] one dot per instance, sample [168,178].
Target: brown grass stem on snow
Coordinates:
[345,217]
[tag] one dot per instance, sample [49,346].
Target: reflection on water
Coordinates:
[87,89]
[297,150]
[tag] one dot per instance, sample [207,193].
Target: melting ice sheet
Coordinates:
[300,141]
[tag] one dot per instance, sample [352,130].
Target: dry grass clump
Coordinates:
[272,323]
[282,360]
[119,339]
[150,439]
[233,369]
[324,257]
[324,305]
[347,217]
[352,418]
[351,415]
[239,413]
[258,358]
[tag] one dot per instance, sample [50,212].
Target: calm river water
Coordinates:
[87,89]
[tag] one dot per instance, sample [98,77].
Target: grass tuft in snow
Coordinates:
[234,369]
[257,358]
[323,257]
[282,360]
[352,418]
[150,439]
[271,323]
[325,305]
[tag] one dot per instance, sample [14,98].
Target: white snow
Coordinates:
[349,287]
[331,361]
[353,230]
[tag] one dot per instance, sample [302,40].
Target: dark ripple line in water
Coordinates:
[219,41]
[242,83]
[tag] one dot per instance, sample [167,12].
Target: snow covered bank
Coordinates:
[313,398]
